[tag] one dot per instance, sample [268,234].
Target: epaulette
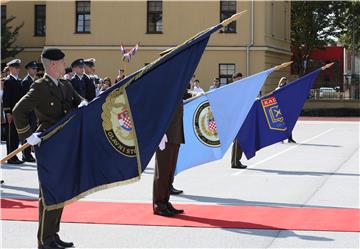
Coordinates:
[41,80]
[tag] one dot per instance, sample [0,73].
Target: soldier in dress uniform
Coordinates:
[31,68]
[89,79]
[236,152]
[51,98]
[165,162]
[12,94]
[77,80]
[165,165]
[283,82]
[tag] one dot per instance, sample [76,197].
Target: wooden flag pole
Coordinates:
[233,18]
[15,152]
[327,66]
[283,65]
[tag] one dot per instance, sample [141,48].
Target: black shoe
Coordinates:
[164,212]
[239,166]
[62,243]
[2,181]
[15,161]
[29,159]
[291,141]
[174,191]
[51,245]
[174,210]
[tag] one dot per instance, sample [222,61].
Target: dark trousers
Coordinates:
[165,165]
[12,139]
[236,153]
[49,223]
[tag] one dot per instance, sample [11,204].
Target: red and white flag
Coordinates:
[128,55]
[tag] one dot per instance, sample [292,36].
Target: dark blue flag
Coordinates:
[273,117]
[111,141]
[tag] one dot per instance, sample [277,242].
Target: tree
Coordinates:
[8,39]
[313,25]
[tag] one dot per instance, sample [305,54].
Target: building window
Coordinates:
[226,72]
[82,16]
[3,14]
[227,9]
[154,17]
[40,14]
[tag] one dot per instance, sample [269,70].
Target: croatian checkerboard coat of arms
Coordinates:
[117,124]
[204,125]
[273,114]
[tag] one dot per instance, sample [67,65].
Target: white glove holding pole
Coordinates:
[83,103]
[163,142]
[34,139]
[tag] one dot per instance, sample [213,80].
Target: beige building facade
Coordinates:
[84,29]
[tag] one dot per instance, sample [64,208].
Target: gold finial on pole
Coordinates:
[283,65]
[327,66]
[233,18]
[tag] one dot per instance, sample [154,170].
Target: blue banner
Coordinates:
[273,117]
[212,121]
[111,141]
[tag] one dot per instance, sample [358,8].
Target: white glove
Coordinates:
[163,142]
[34,139]
[83,103]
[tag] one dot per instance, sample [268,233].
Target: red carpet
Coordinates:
[207,216]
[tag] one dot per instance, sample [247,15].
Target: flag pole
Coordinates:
[283,65]
[15,152]
[327,66]
[233,18]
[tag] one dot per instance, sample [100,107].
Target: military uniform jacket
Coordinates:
[90,91]
[50,103]
[175,132]
[26,83]
[12,93]
[79,85]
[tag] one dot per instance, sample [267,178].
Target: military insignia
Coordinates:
[273,114]
[117,124]
[204,125]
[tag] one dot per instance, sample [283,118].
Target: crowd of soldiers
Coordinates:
[82,76]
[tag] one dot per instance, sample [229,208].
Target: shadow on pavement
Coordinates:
[301,173]
[6,203]
[320,145]
[251,228]
[238,202]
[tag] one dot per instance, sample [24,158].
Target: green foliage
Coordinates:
[8,39]
[316,24]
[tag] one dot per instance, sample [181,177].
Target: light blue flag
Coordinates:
[212,121]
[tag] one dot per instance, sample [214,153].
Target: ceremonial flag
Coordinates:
[212,121]
[110,141]
[273,117]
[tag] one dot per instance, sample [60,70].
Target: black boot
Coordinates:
[62,243]
[174,191]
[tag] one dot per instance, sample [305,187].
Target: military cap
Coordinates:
[68,70]
[53,54]
[77,63]
[14,63]
[90,62]
[31,64]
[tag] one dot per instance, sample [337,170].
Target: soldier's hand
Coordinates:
[9,118]
[83,103]
[34,139]
[163,142]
